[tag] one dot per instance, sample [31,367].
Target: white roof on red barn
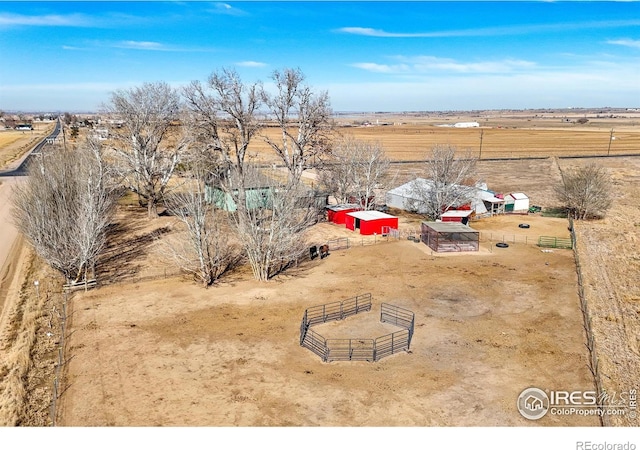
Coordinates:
[343,207]
[457,213]
[518,196]
[370,215]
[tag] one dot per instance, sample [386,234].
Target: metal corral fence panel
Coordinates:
[338,310]
[357,349]
[555,242]
[338,244]
[316,343]
[392,343]
[350,350]
[396,315]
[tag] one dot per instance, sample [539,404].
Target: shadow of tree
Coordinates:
[126,248]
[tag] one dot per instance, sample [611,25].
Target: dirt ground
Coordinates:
[488,325]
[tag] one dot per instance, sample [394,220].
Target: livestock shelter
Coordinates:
[370,222]
[450,237]
[516,203]
[337,213]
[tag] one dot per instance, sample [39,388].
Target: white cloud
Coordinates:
[429,64]
[51,20]
[634,43]
[492,31]
[142,45]
[251,64]
[151,46]
[227,9]
[382,68]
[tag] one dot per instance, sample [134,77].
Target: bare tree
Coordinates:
[223,115]
[267,213]
[303,117]
[336,177]
[64,208]
[370,168]
[448,182]
[273,223]
[585,191]
[204,248]
[147,151]
[357,168]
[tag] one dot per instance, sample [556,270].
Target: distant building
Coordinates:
[467,125]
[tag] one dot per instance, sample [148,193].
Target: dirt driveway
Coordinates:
[488,325]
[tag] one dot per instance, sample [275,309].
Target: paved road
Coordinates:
[19,168]
[8,178]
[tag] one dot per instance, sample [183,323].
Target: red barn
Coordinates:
[337,213]
[456,215]
[370,222]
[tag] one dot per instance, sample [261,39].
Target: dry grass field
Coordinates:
[411,140]
[152,348]
[14,143]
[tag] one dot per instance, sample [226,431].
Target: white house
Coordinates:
[467,125]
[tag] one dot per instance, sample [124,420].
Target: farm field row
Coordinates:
[412,142]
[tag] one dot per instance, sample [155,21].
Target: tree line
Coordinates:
[205,130]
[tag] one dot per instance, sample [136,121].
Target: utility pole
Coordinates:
[610,139]
[481,134]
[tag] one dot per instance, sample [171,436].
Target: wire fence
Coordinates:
[591,343]
[61,361]
[63,358]
[507,238]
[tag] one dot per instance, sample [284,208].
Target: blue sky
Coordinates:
[368,55]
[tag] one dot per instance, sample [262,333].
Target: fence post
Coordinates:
[393,346]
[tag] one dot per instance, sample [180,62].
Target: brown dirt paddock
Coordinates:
[167,352]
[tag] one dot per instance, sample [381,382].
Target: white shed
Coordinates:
[467,125]
[516,202]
